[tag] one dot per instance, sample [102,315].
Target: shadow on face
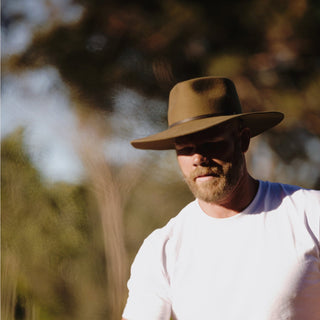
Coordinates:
[216,142]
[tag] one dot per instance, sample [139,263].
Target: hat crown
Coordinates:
[202,97]
[202,103]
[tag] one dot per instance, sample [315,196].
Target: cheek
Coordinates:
[226,154]
[185,164]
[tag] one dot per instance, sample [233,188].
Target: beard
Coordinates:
[225,178]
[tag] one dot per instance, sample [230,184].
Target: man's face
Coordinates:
[212,162]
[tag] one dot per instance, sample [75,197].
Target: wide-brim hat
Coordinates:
[202,103]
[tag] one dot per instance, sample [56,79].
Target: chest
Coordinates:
[257,264]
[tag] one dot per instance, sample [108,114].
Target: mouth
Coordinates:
[206,177]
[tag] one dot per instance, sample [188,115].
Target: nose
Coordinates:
[200,160]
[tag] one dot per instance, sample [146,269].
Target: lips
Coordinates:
[204,177]
[205,173]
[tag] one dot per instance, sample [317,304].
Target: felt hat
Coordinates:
[202,103]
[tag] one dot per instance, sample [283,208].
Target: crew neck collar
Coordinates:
[248,210]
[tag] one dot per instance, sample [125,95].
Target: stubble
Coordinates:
[224,179]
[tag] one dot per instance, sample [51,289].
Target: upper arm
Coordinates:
[148,285]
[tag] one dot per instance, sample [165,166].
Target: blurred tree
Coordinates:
[265,46]
[54,261]
[52,253]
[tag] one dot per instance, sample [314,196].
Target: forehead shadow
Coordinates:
[213,132]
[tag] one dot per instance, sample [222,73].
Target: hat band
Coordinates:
[197,118]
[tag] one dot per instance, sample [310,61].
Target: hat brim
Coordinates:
[258,122]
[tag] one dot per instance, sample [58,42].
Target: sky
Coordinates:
[38,101]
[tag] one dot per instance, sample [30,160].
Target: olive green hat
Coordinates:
[202,103]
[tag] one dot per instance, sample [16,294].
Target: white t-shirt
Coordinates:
[261,264]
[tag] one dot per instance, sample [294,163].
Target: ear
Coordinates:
[245,139]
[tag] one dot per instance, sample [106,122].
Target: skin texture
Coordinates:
[214,167]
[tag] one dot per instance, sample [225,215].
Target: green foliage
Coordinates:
[52,254]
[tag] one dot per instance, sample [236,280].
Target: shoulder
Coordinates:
[173,228]
[160,248]
[276,187]
[295,202]
[287,199]
[293,192]
[163,243]
[305,201]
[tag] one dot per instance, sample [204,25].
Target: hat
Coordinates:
[202,103]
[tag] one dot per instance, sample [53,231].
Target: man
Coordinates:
[244,249]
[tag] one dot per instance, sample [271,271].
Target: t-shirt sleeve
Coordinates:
[313,213]
[148,284]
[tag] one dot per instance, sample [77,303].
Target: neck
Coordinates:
[240,197]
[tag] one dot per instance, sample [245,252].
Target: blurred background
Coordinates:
[80,79]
